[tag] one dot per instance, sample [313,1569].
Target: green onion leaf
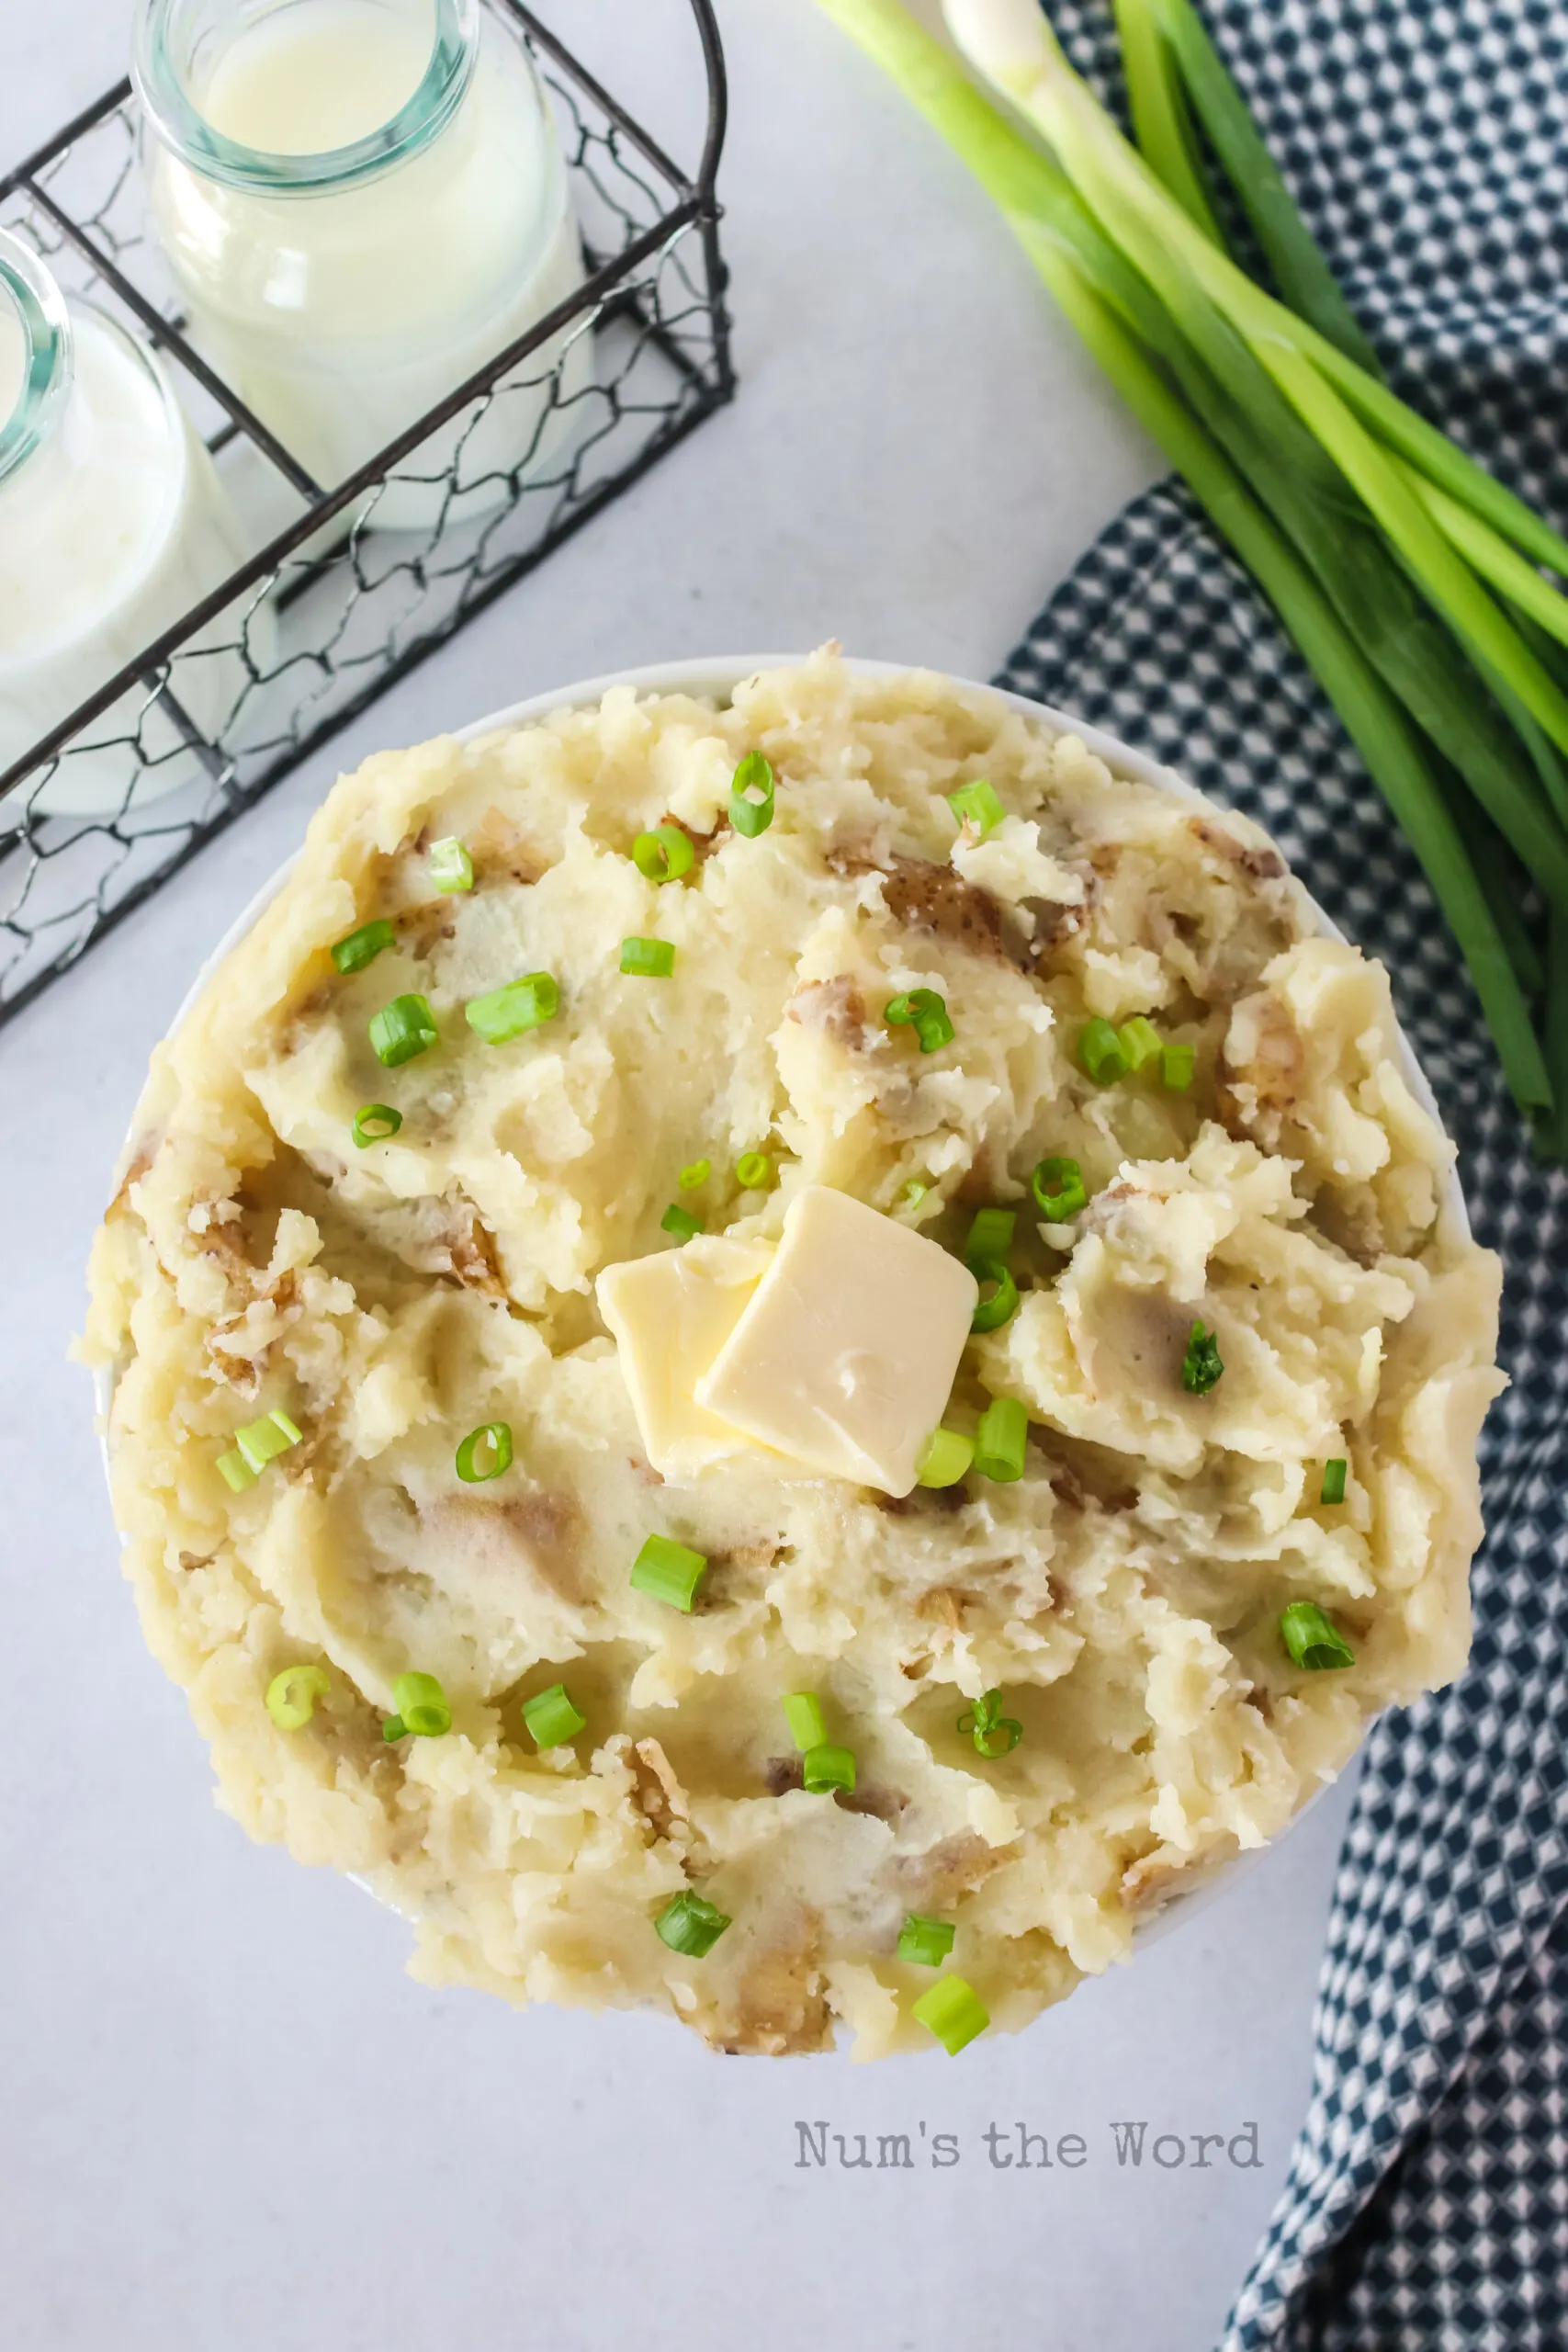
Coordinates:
[913,1193]
[1100,1052]
[403,1029]
[752,796]
[680,1222]
[994,1276]
[236,1471]
[664,854]
[551,1717]
[925,1943]
[485,1453]
[394,1727]
[668,1572]
[991,1234]
[1313,1639]
[451,867]
[262,1441]
[648,959]
[422,1707]
[506,1012]
[375,1123]
[1177,1065]
[977,805]
[926,1013]
[697,1172]
[953,2011]
[993,1732]
[1201,1366]
[802,1712]
[824,1769]
[291,1696]
[754,1171]
[1333,1488]
[691,1925]
[1139,1041]
[945,1458]
[1059,1190]
[363,946]
[1000,1439]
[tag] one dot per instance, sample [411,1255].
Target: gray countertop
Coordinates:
[232,2120]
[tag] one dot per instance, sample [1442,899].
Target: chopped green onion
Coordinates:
[403,1029]
[754,1171]
[825,1769]
[394,1727]
[925,1943]
[995,1276]
[451,867]
[991,1234]
[802,1712]
[691,1925]
[953,2011]
[946,1458]
[925,1012]
[1177,1064]
[1333,1489]
[913,1193]
[697,1172]
[1100,1052]
[362,946]
[977,804]
[1201,1366]
[375,1123]
[420,1705]
[680,1222]
[993,1732]
[648,959]
[551,1717]
[1000,1440]
[752,796]
[1140,1041]
[507,1011]
[262,1441]
[668,1571]
[291,1696]
[1313,1639]
[662,855]
[236,1471]
[485,1453]
[1060,1192]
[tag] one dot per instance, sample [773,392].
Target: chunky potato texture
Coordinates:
[1124,1593]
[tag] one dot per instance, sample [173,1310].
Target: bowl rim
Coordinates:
[717,676]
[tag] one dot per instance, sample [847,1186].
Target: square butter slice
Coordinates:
[670,1315]
[844,1355]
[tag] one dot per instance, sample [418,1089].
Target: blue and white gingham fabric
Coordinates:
[1426,2208]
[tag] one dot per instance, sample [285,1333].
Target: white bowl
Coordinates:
[717,677]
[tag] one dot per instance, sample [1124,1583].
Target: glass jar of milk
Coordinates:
[112,524]
[363,201]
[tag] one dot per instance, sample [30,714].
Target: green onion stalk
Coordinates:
[1406,576]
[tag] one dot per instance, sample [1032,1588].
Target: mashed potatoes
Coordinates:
[1123,1594]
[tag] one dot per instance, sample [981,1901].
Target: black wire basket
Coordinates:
[332,609]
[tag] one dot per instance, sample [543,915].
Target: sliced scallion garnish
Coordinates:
[1000,1439]
[695,1172]
[691,1925]
[924,1012]
[991,1234]
[291,1695]
[752,796]
[648,959]
[375,1123]
[680,1223]
[998,1302]
[484,1454]
[507,1012]
[1177,1065]
[403,1029]
[551,1718]
[754,1171]
[1100,1052]
[945,1458]
[451,867]
[1334,1474]
[977,804]
[1313,1639]
[925,1943]
[953,2011]
[363,946]
[668,1572]
[421,1708]
[1139,1041]
[662,855]
[993,1732]
[1201,1366]
[1059,1190]
[802,1712]
[262,1441]
[825,1770]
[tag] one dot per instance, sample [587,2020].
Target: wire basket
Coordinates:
[332,609]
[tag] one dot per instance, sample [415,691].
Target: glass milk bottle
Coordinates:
[362,202]
[112,524]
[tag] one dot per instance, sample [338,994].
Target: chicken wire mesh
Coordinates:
[335,604]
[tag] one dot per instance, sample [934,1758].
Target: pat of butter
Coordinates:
[670,1315]
[844,1355]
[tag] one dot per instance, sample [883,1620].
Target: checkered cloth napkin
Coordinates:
[1427,2209]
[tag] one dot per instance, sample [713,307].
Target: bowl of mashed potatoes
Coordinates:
[789,1342]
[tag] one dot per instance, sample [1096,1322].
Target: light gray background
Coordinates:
[228,2119]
